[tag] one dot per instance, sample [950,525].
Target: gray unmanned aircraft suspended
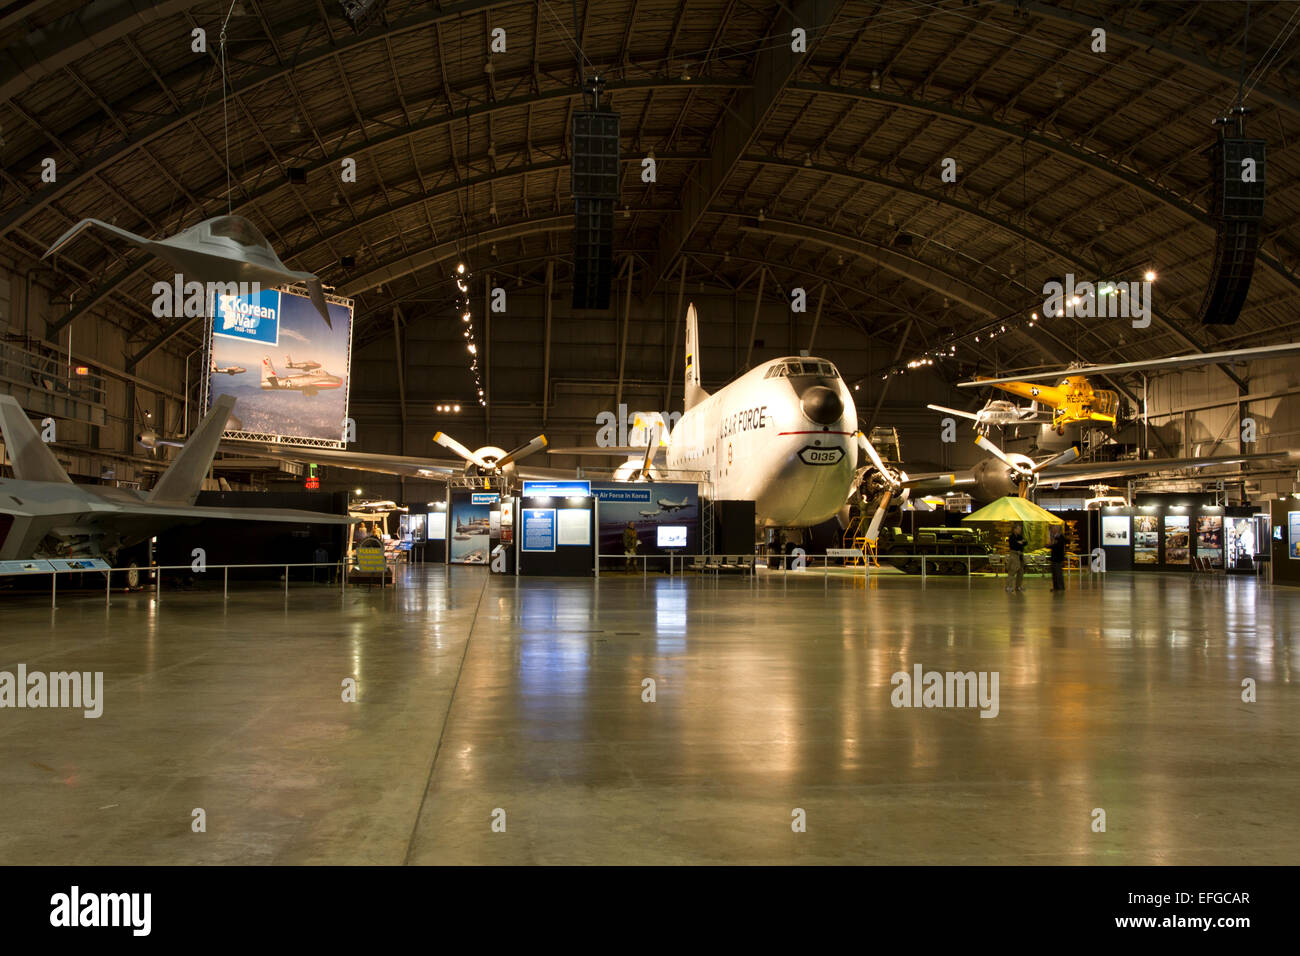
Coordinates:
[224,249]
[43,514]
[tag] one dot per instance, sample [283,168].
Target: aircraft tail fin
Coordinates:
[268,372]
[694,392]
[32,458]
[182,482]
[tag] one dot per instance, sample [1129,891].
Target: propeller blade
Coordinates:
[866,446]
[873,529]
[446,441]
[984,442]
[523,451]
[1064,458]
[651,446]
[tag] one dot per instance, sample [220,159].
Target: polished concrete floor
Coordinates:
[483,698]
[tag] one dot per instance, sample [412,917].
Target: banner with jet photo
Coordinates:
[287,370]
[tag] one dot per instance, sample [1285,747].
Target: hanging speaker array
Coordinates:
[594,177]
[1237,204]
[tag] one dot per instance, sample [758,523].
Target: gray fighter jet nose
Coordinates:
[822,405]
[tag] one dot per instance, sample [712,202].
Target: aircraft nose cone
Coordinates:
[822,405]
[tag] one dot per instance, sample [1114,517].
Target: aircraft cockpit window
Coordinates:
[239,229]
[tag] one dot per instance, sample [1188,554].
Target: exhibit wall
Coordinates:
[556,536]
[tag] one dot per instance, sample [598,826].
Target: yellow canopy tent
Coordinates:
[1013,508]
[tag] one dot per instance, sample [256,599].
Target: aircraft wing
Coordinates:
[595,451]
[1093,471]
[406,465]
[85,224]
[954,411]
[1173,361]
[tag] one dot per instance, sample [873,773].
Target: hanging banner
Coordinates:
[286,369]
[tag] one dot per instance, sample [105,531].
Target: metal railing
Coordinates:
[342,569]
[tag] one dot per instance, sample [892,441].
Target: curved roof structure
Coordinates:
[824,162]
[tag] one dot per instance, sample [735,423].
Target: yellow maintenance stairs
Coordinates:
[855,537]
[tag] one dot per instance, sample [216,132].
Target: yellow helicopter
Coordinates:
[1073,400]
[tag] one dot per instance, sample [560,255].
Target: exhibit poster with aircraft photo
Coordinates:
[469,531]
[1146,539]
[647,506]
[1177,539]
[286,369]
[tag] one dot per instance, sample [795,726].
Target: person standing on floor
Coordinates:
[1015,560]
[1058,560]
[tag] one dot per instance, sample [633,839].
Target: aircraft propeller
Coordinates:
[489,459]
[894,482]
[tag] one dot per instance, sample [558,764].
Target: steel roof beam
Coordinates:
[774,67]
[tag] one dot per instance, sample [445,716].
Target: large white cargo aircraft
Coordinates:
[783,435]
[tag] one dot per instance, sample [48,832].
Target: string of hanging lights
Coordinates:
[463,277]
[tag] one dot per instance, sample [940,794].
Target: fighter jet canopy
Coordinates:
[238,229]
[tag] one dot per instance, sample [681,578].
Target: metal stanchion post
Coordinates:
[157,585]
[225,583]
[286,582]
[54,587]
[923,564]
[108,587]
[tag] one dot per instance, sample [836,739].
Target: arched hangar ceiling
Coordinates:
[821,166]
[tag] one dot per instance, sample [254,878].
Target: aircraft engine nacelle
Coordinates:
[995,479]
[490,454]
[630,470]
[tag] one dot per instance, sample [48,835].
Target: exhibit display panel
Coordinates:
[1209,539]
[286,369]
[1146,540]
[469,527]
[1177,539]
[647,506]
[556,536]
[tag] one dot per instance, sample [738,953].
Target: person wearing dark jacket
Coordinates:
[1057,556]
[1015,560]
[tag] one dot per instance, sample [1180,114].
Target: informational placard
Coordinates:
[1209,538]
[79,564]
[286,369]
[370,560]
[1146,539]
[1115,531]
[843,552]
[1177,539]
[539,529]
[1293,534]
[644,507]
[437,526]
[557,489]
[573,526]
[469,531]
[484,497]
[25,567]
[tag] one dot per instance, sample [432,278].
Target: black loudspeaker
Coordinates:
[594,172]
[1237,168]
[1235,246]
[1237,172]
[593,252]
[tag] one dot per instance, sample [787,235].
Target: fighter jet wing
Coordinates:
[1094,471]
[317,296]
[85,224]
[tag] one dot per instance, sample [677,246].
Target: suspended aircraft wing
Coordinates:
[593,451]
[405,465]
[85,224]
[954,411]
[1173,361]
[1093,471]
